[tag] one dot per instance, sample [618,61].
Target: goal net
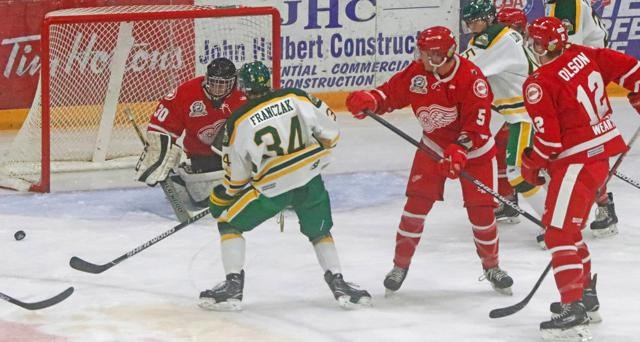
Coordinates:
[100,63]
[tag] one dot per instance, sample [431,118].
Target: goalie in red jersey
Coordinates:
[198,108]
[574,139]
[452,101]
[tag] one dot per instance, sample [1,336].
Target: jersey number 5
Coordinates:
[295,138]
[600,108]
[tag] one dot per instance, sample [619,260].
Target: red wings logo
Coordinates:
[207,134]
[435,116]
[533,93]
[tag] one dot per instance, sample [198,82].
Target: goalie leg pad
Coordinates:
[200,185]
[158,158]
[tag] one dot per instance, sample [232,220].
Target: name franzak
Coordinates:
[272,111]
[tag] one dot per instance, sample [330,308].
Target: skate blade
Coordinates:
[542,245]
[346,303]
[605,233]
[580,333]
[229,305]
[508,220]
[389,293]
[594,317]
[506,291]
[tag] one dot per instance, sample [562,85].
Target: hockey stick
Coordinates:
[627,179]
[85,266]
[510,310]
[167,185]
[41,304]
[463,174]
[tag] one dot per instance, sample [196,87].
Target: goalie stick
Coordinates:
[85,266]
[167,185]
[41,304]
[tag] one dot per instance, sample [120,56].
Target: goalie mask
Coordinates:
[220,79]
[254,78]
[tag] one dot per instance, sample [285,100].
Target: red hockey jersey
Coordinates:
[569,106]
[444,106]
[188,109]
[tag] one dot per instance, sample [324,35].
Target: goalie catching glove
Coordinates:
[160,156]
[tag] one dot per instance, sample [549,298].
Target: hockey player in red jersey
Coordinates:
[452,101]
[515,18]
[198,108]
[574,139]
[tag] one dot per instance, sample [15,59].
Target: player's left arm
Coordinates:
[547,140]
[475,112]
[237,176]
[594,32]
[321,120]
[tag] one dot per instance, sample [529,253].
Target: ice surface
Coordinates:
[152,296]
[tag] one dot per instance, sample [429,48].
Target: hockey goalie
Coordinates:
[197,111]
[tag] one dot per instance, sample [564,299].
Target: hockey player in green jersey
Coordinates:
[273,151]
[500,53]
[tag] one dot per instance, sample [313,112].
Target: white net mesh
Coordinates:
[101,65]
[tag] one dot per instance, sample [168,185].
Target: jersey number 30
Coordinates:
[295,138]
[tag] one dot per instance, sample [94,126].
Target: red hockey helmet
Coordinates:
[437,44]
[514,18]
[547,34]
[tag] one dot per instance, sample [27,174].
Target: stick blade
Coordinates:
[85,266]
[47,302]
[506,311]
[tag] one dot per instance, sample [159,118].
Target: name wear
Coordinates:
[576,64]
[271,111]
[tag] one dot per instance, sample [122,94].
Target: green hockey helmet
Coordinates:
[479,10]
[254,78]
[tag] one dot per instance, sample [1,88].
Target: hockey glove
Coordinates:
[219,201]
[454,161]
[159,157]
[634,100]
[532,163]
[359,101]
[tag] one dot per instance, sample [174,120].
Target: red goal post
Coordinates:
[98,63]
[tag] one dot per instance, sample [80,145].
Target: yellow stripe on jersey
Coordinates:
[513,111]
[221,202]
[578,16]
[498,37]
[523,140]
[508,101]
[283,159]
[531,192]
[292,168]
[239,205]
[230,236]
[251,111]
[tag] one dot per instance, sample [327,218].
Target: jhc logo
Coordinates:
[326,14]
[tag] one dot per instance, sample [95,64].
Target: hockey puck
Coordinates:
[19,235]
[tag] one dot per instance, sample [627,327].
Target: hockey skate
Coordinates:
[226,296]
[499,279]
[506,214]
[394,279]
[570,325]
[605,224]
[589,300]
[540,240]
[347,294]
